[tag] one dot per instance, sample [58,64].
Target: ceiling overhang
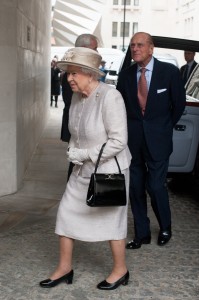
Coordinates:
[72,19]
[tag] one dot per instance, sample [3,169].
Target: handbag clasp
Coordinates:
[109,176]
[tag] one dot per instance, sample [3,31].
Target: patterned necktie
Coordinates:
[142,90]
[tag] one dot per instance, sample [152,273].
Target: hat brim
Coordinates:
[63,65]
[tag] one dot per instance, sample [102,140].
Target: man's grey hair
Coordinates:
[84,40]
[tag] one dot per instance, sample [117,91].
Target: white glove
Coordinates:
[76,162]
[77,156]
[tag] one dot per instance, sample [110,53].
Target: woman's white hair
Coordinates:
[92,73]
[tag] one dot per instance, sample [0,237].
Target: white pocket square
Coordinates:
[161,91]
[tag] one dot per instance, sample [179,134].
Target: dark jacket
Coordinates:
[55,81]
[66,95]
[182,71]
[165,105]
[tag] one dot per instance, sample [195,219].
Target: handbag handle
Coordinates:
[99,156]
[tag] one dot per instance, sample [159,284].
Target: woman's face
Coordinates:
[79,82]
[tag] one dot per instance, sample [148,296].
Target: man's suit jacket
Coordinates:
[165,105]
[182,71]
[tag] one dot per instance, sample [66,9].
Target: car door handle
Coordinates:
[179,127]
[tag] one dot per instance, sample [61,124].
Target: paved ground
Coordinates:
[29,248]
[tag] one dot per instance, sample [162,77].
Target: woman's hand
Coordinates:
[77,156]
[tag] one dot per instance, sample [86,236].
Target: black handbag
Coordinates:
[106,189]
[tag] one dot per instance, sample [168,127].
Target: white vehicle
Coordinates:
[114,59]
[185,157]
[167,58]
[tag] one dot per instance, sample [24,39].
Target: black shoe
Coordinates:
[48,283]
[104,285]
[137,243]
[164,237]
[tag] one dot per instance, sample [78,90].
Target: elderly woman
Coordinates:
[97,116]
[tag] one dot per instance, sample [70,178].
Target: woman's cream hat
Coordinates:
[83,58]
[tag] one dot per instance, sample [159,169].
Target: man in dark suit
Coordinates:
[150,131]
[187,69]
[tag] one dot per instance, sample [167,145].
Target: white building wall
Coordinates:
[152,16]
[187,20]
[172,18]
[24,85]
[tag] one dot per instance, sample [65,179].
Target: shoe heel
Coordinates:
[69,280]
[125,282]
[126,279]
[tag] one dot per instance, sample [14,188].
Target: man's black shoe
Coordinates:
[164,237]
[137,243]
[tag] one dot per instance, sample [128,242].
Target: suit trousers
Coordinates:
[147,175]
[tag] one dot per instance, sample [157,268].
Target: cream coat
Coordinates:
[95,120]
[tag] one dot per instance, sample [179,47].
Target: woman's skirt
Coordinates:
[76,220]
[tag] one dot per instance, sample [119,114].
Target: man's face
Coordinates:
[189,56]
[141,49]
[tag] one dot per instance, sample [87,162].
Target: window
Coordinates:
[124,30]
[114,29]
[114,47]
[115,2]
[136,2]
[135,27]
